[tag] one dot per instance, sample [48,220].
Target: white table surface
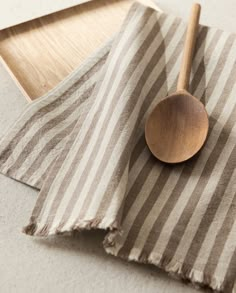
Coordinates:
[76,264]
[13,12]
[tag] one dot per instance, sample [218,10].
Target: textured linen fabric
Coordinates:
[83,146]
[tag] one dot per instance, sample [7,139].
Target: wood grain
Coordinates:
[42,52]
[189,47]
[178,126]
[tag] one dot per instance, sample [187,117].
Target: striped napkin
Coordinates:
[83,146]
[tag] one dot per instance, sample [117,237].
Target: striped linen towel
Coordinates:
[83,146]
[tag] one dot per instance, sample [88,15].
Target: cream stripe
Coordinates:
[170,183]
[119,108]
[193,200]
[202,205]
[133,116]
[191,184]
[86,126]
[86,155]
[226,255]
[148,221]
[132,119]
[145,154]
[117,200]
[140,241]
[46,138]
[114,208]
[140,162]
[53,153]
[51,156]
[42,121]
[214,228]
[224,74]
[211,65]
[116,116]
[113,58]
[137,167]
[138,203]
[134,173]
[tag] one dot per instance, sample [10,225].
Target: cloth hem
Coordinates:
[174,268]
[34,229]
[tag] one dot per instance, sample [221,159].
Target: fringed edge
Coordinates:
[109,241]
[34,229]
[173,267]
[30,229]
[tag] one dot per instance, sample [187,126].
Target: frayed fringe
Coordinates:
[34,228]
[173,267]
[30,229]
[110,239]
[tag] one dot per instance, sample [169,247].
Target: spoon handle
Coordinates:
[190,40]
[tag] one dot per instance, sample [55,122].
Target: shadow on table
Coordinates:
[90,242]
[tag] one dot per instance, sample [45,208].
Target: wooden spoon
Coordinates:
[177,127]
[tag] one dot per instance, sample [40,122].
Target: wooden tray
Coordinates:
[42,52]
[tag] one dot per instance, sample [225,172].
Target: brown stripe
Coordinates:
[141,144]
[193,200]
[155,231]
[130,199]
[220,239]
[41,198]
[186,173]
[128,109]
[63,97]
[51,145]
[201,72]
[44,183]
[211,210]
[220,66]
[174,242]
[147,206]
[125,157]
[39,160]
[45,129]
[230,277]
[69,174]
[137,185]
[60,159]
[42,180]
[50,174]
[136,91]
[145,171]
[137,150]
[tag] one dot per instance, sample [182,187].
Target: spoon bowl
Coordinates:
[177,128]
